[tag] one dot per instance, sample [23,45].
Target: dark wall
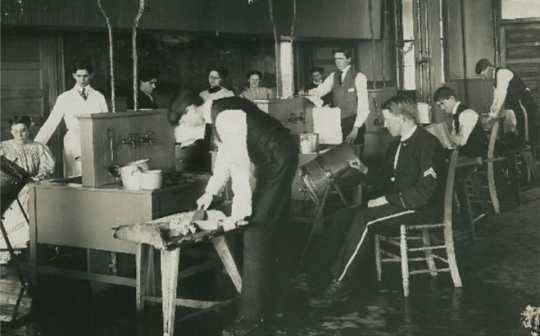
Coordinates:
[315,18]
[182,61]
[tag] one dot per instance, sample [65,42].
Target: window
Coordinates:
[520,9]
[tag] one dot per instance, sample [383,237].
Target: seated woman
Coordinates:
[255,91]
[39,163]
[215,91]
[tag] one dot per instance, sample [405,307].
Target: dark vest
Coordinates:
[517,90]
[344,95]
[264,132]
[477,142]
[518,96]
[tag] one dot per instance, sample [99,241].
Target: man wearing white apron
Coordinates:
[81,99]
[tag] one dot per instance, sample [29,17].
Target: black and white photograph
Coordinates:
[270,167]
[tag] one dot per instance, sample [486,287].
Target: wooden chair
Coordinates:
[422,234]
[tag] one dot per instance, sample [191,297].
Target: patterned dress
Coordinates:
[39,162]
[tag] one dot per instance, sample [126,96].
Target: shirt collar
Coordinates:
[79,88]
[406,136]
[344,71]
[454,110]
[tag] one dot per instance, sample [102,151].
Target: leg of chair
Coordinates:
[429,254]
[466,202]
[514,177]
[404,260]
[492,189]
[451,254]
[169,278]
[378,257]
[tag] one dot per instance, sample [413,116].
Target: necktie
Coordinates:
[340,79]
[84,94]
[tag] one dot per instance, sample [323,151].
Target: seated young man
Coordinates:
[464,130]
[410,178]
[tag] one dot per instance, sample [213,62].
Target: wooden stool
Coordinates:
[383,255]
[170,275]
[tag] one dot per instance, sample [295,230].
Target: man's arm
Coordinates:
[103,108]
[51,124]
[504,76]
[232,129]
[324,88]
[362,108]
[467,122]
[421,193]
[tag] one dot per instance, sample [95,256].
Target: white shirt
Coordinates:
[404,137]
[232,159]
[223,93]
[504,76]
[467,121]
[68,105]
[360,83]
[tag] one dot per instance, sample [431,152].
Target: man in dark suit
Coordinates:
[410,178]
[148,81]
[246,135]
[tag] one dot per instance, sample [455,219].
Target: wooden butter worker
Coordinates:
[246,135]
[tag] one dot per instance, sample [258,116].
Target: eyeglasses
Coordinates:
[214,77]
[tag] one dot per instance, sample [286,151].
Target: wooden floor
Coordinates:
[500,274]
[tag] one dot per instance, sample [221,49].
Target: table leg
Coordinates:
[222,249]
[169,278]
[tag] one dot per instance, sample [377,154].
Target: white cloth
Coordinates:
[467,121]
[504,76]
[186,135]
[223,93]
[68,106]
[327,123]
[232,161]
[360,83]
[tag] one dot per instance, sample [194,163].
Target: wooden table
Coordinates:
[170,259]
[64,214]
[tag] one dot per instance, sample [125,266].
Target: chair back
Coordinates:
[449,188]
[493,136]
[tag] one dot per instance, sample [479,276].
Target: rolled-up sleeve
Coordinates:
[467,121]
[233,161]
[504,76]
[324,88]
[362,106]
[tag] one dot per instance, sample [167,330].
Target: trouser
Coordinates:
[347,125]
[264,238]
[528,104]
[365,221]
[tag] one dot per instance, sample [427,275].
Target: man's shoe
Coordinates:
[241,327]
[335,292]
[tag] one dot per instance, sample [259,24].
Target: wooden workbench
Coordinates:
[67,214]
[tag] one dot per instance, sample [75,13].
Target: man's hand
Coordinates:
[358,165]
[379,201]
[204,201]
[352,136]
